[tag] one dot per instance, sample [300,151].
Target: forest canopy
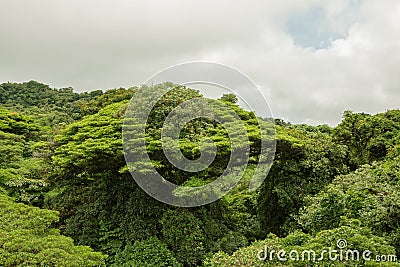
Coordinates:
[68,199]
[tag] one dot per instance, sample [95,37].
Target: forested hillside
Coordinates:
[68,199]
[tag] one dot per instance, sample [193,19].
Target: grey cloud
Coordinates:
[105,44]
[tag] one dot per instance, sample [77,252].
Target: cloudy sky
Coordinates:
[312,59]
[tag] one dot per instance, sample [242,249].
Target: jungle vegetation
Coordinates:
[68,199]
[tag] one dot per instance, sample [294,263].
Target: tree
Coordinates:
[184,234]
[147,253]
[102,206]
[27,239]
[368,138]
[91,105]
[304,163]
[230,98]
[22,172]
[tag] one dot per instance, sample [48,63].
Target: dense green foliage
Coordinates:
[371,194]
[305,162]
[26,239]
[98,196]
[368,138]
[57,107]
[148,253]
[62,151]
[358,238]
[22,167]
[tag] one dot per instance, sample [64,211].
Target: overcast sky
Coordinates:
[312,59]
